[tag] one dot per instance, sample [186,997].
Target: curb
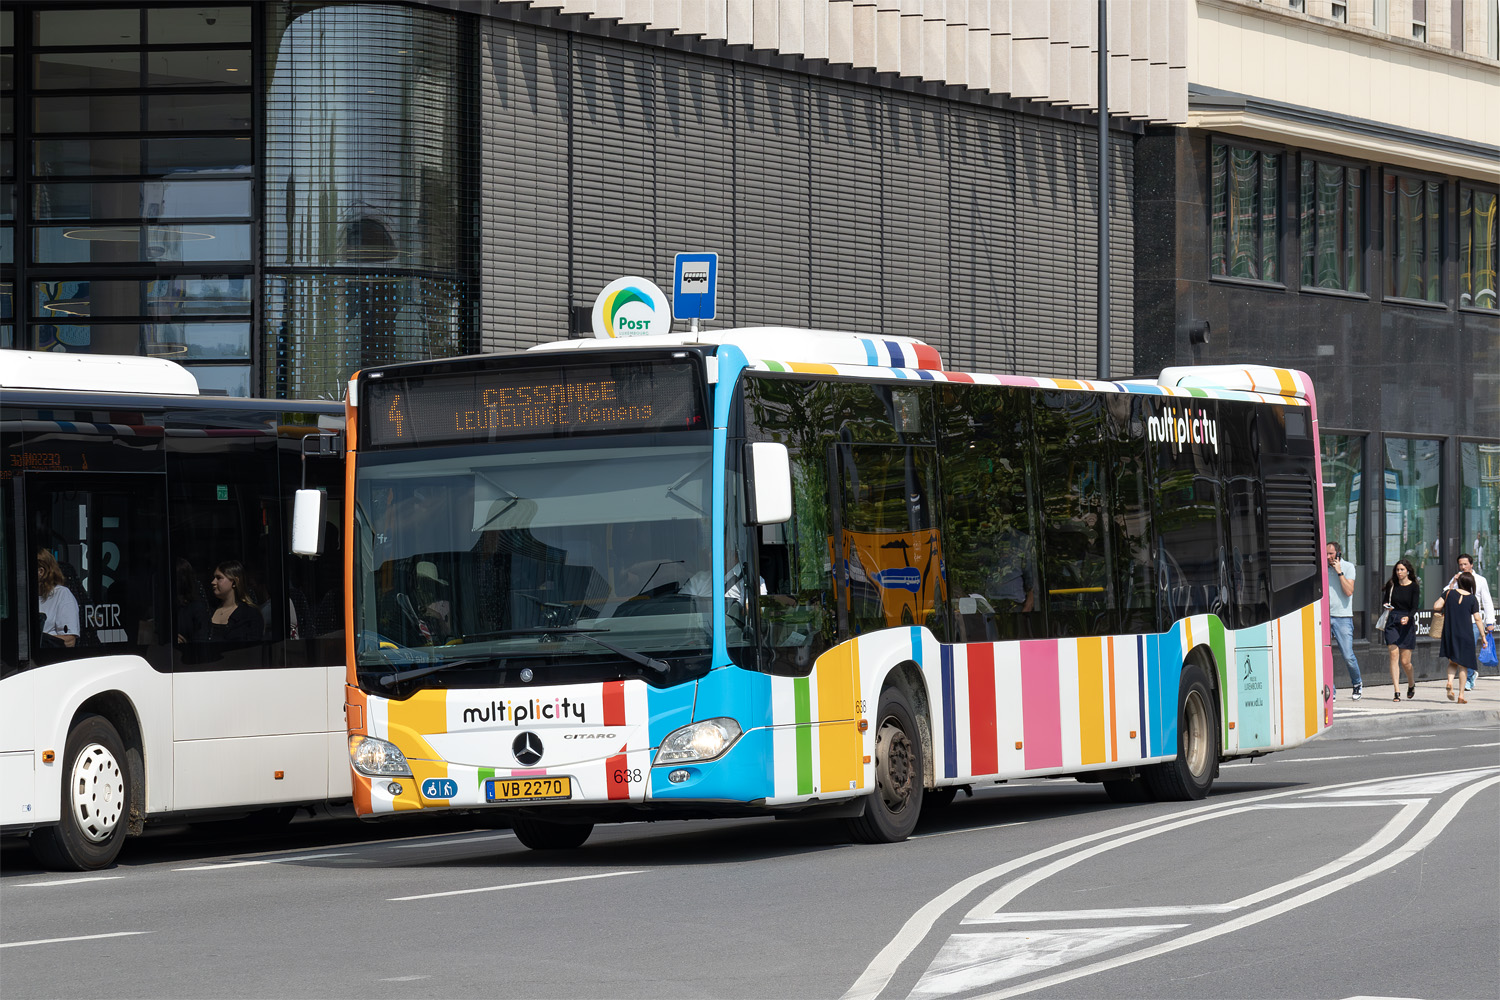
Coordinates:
[1366,724]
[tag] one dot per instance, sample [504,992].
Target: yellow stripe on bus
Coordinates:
[1091,700]
[809,368]
[424,713]
[840,751]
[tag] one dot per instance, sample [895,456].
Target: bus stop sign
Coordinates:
[695,286]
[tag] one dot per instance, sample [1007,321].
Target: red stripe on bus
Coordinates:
[983,746]
[960,377]
[616,771]
[614,703]
[927,356]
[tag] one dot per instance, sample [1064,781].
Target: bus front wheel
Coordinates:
[95,797]
[549,835]
[1191,774]
[891,812]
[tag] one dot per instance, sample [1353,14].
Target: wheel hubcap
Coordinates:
[97,793]
[894,758]
[1195,734]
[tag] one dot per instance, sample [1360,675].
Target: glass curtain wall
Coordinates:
[1343,502]
[1413,515]
[1332,198]
[137,169]
[371,227]
[1244,223]
[1414,238]
[1479,464]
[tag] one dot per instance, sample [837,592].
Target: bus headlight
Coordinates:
[377,757]
[699,742]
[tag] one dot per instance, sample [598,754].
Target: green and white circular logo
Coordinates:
[631,307]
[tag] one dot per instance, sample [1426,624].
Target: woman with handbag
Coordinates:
[1403,596]
[1459,606]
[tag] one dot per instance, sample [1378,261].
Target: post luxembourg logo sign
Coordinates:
[631,307]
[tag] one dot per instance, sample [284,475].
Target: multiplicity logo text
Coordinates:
[526,711]
[1182,428]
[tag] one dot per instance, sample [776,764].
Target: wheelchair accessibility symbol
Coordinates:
[439,788]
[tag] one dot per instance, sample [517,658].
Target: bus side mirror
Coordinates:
[307,523]
[770,487]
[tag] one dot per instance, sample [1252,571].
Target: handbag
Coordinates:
[1487,656]
[1380,622]
[1437,625]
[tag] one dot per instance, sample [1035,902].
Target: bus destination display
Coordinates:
[535,402]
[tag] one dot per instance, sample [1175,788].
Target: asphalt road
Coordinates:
[1346,868]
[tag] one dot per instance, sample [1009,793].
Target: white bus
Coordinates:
[131,687]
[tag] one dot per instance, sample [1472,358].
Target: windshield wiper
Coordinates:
[650,662]
[432,668]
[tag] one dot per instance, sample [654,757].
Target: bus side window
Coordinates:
[796,615]
[1073,462]
[1192,569]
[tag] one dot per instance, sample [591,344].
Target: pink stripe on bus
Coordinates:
[1041,705]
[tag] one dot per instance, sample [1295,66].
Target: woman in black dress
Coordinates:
[1403,597]
[236,619]
[1460,607]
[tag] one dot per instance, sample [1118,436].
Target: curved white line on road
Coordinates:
[261,861]
[884,965]
[1418,842]
[68,881]
[512,885]
[83,937]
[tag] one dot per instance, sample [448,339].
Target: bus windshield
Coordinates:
[484,565]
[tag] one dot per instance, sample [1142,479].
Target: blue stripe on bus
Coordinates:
[871,358]
[924,373]
[1140,677]
[898,360]
[950,730]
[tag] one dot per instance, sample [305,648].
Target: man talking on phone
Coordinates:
[1341,612]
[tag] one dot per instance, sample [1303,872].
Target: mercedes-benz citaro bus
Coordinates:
[797,573]
[161,657]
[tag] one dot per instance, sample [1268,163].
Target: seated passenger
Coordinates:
[55,602]
[237,618]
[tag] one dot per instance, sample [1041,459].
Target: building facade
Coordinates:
[278,194]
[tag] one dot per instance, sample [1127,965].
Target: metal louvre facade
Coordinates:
[833,204]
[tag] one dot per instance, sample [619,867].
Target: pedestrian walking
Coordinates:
[1485,630]
[1459,607]
[1341,612]
[1403,596]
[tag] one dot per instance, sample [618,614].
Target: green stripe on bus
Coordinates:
[802,690]
[485,773]
[776,366]
[1196,392]
[1221,658]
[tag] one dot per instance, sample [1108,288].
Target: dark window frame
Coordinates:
[1363,236]
[1221,230]
[1464,232]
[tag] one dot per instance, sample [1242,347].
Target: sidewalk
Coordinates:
[1377,714]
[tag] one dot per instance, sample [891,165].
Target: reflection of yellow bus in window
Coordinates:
[895,577]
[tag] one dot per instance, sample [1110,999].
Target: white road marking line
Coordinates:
[1426,784]
[261,861]
[972,829]
[1363,756]
[1419,842]
[404,979]
[883,966]
[1397,739]
[988,909]
[513,885]
[68,881]
[83,937]
[970,961]
[446,843]
[1109,913]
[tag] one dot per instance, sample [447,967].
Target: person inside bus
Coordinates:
[237,618]
[189,607]
[55,603]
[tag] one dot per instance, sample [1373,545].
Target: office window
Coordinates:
[1414,238]
[1413,511]
[1332,211]
[1479,465]
[1244,223]
[1340,12]
[1419,20]
[1477,248]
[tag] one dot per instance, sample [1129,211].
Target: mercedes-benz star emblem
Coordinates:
[527,749]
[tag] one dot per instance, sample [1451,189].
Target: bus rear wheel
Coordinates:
[891,812]
[549,835]
[1191,774]
[95,797]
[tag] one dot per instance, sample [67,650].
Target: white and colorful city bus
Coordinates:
[774,571]
[125,495]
